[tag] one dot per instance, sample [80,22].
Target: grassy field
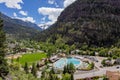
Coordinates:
[31,58]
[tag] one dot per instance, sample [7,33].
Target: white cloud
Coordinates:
[56,4]
[28,19]
[23,13]
[68,2]
[45,25]
[14,14]
[52,13]
[12,3]
[51,1]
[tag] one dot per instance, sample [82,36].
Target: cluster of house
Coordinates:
[13,48]
[117,61]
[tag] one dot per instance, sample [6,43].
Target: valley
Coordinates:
[83,43]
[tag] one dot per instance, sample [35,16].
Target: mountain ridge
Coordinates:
[20,22]
[91,22]
[15,30]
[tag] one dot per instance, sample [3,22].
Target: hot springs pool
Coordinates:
[64,61]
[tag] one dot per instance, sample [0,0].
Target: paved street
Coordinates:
[100,72]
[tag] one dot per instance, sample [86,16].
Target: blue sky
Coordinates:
[36,11]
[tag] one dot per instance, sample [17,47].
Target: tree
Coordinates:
[37,65]
[14,66]
[52,71]
[103,62]
[66,76]
[65,70]
[53,77]
[26,69]
[34,70]
[72,76]
[70,68]
[4,70]
[92,65]
[18,59]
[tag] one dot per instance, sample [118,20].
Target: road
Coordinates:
[100,72]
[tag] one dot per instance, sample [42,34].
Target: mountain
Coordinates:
[18,29]
[89,22]
[28,24]
[20,22]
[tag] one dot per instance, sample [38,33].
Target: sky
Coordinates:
[40,12]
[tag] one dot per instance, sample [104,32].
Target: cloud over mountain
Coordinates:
[52,13]
[68,2]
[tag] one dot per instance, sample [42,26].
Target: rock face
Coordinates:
[92,22]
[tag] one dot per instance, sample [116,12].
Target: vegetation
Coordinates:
[107,62]
[34,70]
[17,29]
[70,68]
[66,76]
[26,68]
[91,25]
[91,66]
[31,58]
[49,75]
[59,46]
[95,29]
[4,70]
[21,75]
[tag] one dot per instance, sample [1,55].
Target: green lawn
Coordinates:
[31,58]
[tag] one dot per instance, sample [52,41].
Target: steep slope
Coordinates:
[16,30]
[92,22]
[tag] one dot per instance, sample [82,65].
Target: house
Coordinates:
[117,61]
[108,62]
[113,75]
[96,54]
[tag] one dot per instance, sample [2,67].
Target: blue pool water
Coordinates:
[64,61]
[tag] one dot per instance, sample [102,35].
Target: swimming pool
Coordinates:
[64,61]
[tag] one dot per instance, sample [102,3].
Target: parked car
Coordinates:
[117,67]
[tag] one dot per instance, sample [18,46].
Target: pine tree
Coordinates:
[92,65]
[71,68]
[4,70]
[52,71]
[34,70]
[72,76]
[65,70]
[26,69]
[38,65]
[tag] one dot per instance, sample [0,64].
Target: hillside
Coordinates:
[18,29]
[20,22]
[91,22]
